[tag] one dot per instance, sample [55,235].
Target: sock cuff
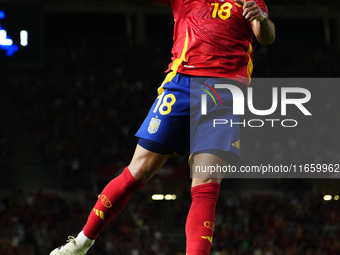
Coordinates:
[210,189]
[83,240]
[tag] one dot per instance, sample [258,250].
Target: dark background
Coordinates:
[69,113]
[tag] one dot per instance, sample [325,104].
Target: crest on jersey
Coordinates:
[154,125]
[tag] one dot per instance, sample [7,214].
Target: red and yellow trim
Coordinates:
[250,66]
[177,62]
[209,238]
[99,213]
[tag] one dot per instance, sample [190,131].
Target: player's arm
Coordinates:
[263,27]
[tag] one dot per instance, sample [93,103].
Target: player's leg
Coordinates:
[116,194]
[114,198]
[164,130]
[200,223]
[212,145]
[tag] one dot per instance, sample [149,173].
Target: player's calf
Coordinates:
[200,223]
[111,202]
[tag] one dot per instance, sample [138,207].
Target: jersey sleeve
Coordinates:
[165,2]
[262,5]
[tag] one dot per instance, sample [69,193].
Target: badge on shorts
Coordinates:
[153,126]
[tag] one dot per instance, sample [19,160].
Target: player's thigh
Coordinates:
[145,163]
[203,161]
[213,146]
[205,136]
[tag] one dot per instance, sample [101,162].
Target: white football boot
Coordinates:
[75,246]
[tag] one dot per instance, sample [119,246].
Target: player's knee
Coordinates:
[145,164]
[140,173]
[143,168]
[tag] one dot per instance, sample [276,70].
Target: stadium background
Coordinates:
[68,117]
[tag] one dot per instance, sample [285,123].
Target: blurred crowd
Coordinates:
[274,225]
[4,155]
[86,106]
[36,223]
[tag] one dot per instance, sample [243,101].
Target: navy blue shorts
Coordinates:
[175,124]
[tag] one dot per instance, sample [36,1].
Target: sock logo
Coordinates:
[210,225]
[105,201]
[99,213]
[209,238]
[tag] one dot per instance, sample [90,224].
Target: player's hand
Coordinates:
[251,11]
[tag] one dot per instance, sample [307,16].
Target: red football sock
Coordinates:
[111,202]
[200,223]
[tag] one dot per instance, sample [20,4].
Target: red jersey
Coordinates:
[212,38]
